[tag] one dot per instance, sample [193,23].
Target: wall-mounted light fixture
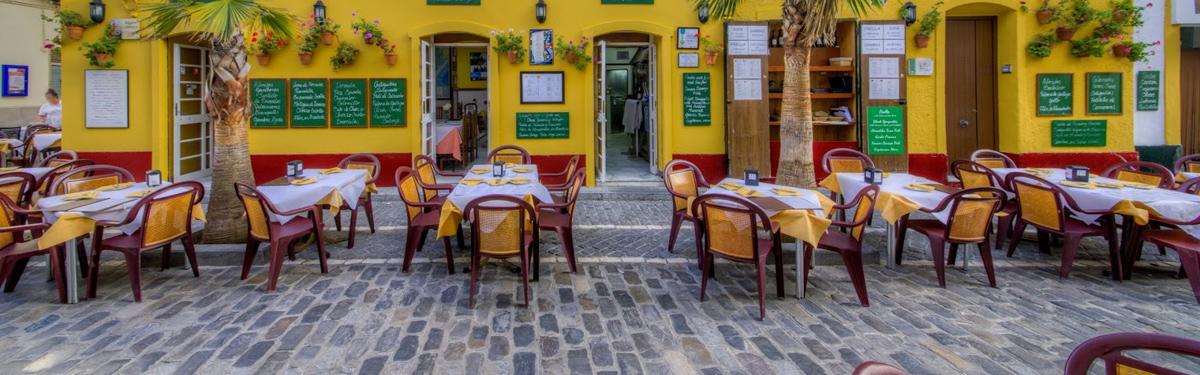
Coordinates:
[96,10]
[909,12]
[319,10]
[702,13]
[539,11]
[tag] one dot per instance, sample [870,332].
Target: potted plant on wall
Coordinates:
[1088,47]
[325,28]
[1041,45]
[712,49]
[345,56]
[372,35]
[1045,13]
[575,53]
[511,44]
[262,46]
[929,23]
[389,52]
[100,53]
[70,22]
[1133,50]
[1072,15]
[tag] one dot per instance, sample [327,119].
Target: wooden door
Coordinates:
[747,126]
[1189,90]
[970,86]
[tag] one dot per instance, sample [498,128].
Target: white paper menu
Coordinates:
[882,39]
[106,98]
[748,40]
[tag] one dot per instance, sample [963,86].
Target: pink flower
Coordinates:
[353,14]
[1149,5]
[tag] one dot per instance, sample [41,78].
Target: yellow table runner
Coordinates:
[804,224]
[831,182]
[1139,211]
[894,206]
[72,225]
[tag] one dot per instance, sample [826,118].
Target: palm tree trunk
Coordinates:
[796,130]
[228,101]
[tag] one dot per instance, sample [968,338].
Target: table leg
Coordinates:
[71,271]
[966,255]
[801,265]
[891,246]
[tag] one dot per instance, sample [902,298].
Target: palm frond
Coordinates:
[215,19]
[162,19]
[719,9]
[860,7]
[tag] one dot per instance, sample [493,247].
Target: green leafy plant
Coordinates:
[1124,13]
[1133,50]
[1092,46]
[67,18]
[265,43]
[510,43]
[575,53]
[1075,14]
[1041,45]
[1045,13]
[100,53]
[309,42]
[345,56]
[930,20]
[709,45]
[369,30]
[324,25]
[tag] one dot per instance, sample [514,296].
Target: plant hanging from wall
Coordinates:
[712,49]
[1046,13]
[929,23]
[1088,47]
[345,56]
[1041,45]
[1133,50]
[324,27]
[265,44]
[510,43]
[574,52]
[372,35]
[70,22]
[100,53]
[1072,15]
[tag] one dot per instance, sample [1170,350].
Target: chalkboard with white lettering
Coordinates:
[1054,95]
[1078,133]
[388,102]
[348,103]
[310,103]
[543,125]
[268,101]
[697,99]
[1104,93]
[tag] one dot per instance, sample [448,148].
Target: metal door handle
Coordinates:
[963,123]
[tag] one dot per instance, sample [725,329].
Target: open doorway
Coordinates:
[627,126]
[454,99]
[191,135]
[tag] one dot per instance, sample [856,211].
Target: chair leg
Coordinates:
[462,244]
[337,221]
[278,252]
[761,272]
[410,246]
[953,254]
[536,257]
[133,263]
[1070,245]
[421,240]
[854,267]
[16,269]
[322,254]
[676,220]
[353,228]
[189,249]
[525,275]
[1115,260]
[475,261]
[1003,226]
[779,270]
[166,257]
[56,267]
[704,259]
[248,258]
[901,235]
[1191,266]
[81,255]
[568,243]
[449,255]
[808,251]
[985,256]
[699,238]
[95,272]
[1018,231]
[1043,241]
[370,213]
[937,248]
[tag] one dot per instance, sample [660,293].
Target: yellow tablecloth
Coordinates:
[334,200]
[451,217]
[894,206]
[804,224]
[831,182]
[1139,211]
[73,225]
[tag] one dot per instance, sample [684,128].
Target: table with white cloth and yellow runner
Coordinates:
[316,187]
[111,203]
[806,220]
[900,194]
[519,180]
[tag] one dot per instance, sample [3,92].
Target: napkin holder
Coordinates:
[498,169]
[1077,173]
[873,176]
[295,168]
[751,177]
[153,178]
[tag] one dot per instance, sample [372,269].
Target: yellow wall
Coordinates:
[463,74]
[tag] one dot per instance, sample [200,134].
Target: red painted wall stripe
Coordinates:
[136,162]
[712,166]
[269,167]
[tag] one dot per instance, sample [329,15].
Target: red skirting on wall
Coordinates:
[711,166]
[551,164]
[269,167]
[819,150]
[931,166]
[136,162]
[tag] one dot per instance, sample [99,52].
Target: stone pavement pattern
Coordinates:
[365,316]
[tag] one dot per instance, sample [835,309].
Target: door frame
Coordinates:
[601,115]
[204,118]
[428,95]
[995,85]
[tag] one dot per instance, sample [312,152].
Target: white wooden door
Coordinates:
[652,111]
[601,107]
[192,133]
[428,131]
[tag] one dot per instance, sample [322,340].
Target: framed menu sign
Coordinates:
[388,102]
[268,102]
[1054,95]
[697,102]
[310,103]
[1078,133]
[885,130]
[348,103]
[543,125]
[106,98]
[1104,93]
[541,87]
[1148,88]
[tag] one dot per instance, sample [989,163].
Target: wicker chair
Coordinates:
[1141,172]
[58,158]
[502,227]
[371,164]
[29,152]
[1189,164]
[844,160]
[974,175]
[992,159]
[1044,206]
[166,217]
[731,226]
[849,245]
[970,223]
[261,228]
[89,178]
[15,251]
[509,154]
[18,187]
[1111,350]
[683,180]
[1170,236]
[426,179]
[47,180]
[422,216]
[562,180]
[559,217]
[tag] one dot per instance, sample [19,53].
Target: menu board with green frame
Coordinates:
[388,102]
[543,125]
[348,103]
[1055,95]
[885,130]
[1104,93]
[310,103]
[268,101]
[1149,88]
[1078,133]
[697,99]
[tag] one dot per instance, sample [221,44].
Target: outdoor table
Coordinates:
[68,223]
[449,139]
[37,172]
[801,213]
[463,193]
[333,188]
[43,141]
[1182,177]
[895,202]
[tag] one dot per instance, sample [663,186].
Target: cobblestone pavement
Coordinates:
[622,315]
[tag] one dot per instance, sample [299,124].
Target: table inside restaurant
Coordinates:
[332,187]
[449,138]
[478,182]
[895,202]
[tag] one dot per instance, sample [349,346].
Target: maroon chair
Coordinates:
[969,223]
[1169,236]
[1111,350]
[1189,164]
[563,177]
[877,368]
[46,180]
[15,252]
[19,187]
[560,217]
[166,217]
[502,227]
[58,158]
[848,245]
[89,178]
[992,159]
[845,160]
[1044,206]
[426,176]
[260,228]
[1144,172]
[422,216]
[29,153]
[509,154]
[683,180]
[731,226]
[973,175]
[371,164]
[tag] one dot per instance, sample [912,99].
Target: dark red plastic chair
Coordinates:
[58,158]
[1171,237]
[972,175]
[992,159]
[1111,348]
[260,228]
[970,222]
[47,180]
[89,178]
[563,179]
[422,216]
[877,368]
[731,226]
[848,244]
[15,252]
[371,164]
[560,217]
[683,180]
[502,227]
[1143,172]
[166,217]
[509,154]
[426,176]
[1044,206]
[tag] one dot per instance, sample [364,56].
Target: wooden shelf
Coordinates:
[817,96]
[813,69]
[818,123]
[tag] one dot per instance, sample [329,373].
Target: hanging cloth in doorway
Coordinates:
[633,116]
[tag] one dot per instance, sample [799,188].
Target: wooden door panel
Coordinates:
[1189,90]
[970,86]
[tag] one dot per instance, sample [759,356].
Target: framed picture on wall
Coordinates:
[541,47]
[16,80]
[541,87]
[689,60]
[687,38]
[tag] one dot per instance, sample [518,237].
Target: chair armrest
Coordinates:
[22,228]
[310,209]
[451,174]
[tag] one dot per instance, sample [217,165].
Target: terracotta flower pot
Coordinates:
[921,40]
[75,32]
[711,58]
[305,58]
[572,58]
[512,57]
[1121,51]
[103,58]
[1119,16]
[1044,16]
[263,59]
[327,38]
[390,58]
[1064,33]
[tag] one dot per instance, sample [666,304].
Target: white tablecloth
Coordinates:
[894,183]
[806,201]
[463,194]
[45,140]
[114,207]
[349,183]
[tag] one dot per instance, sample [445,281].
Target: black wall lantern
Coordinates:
[702,13]
[96,10]
[909,12]
[319,10]
[539,11]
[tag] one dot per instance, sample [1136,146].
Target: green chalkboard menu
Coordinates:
[1148,90]
[310,107]
[1055,95]
[1078,133]
[348,103]
[697,99]
[542,125]
[1104,93]
[885,130]
[268,100]
[452,2]
[388,101]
